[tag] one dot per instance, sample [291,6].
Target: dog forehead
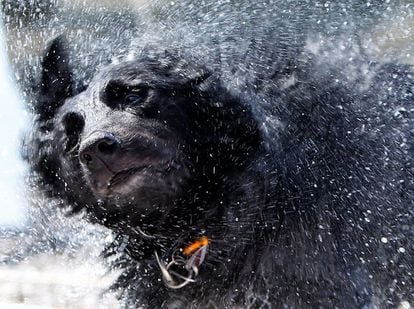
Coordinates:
[152,71]
[123,71]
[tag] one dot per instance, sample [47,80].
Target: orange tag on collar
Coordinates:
[195,245]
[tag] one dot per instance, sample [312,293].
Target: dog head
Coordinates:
[144,132]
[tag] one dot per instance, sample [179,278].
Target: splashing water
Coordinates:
[12,119]
[242,41]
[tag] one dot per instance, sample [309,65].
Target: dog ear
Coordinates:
[55,80]
[227,126]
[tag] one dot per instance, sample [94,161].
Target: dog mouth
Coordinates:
[141,185]
[122,177]
[126,176]
[131,177]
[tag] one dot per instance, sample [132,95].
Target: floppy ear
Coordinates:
[55,81]
[226,126]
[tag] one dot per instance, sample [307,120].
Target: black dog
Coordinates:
[213,209]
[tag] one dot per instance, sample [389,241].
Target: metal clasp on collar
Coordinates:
[192,257]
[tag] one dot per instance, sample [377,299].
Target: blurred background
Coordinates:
[47,260]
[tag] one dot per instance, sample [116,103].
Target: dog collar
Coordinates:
[185,263]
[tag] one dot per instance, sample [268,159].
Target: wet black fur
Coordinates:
[295,214]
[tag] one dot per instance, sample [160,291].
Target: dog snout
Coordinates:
[98,148]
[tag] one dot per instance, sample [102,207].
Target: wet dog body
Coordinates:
[161,152]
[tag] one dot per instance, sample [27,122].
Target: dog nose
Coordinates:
[98,148]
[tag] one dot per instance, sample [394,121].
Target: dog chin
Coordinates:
[142,188]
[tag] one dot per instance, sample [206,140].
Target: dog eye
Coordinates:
[118,95]
[133,99]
